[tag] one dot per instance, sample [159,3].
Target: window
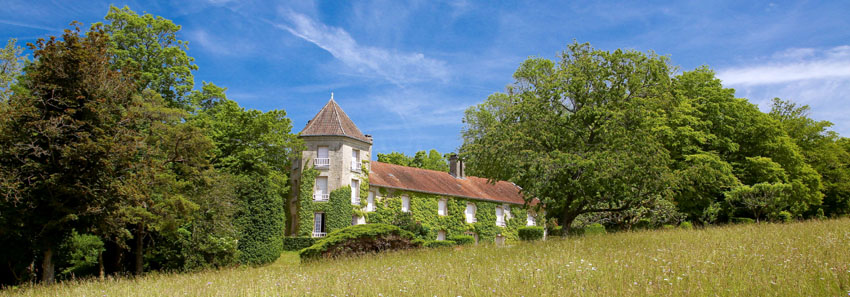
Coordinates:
[508,214]
[357,220]
[531,221]
[441,207]
[500,216]
[321,192]
[355,192]
[355,160]
[470,212]
[441,235]
[405,203]
[322,160]
[319,224]
[370,201]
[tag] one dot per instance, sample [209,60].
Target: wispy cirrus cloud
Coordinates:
[397,67]
[792,65]
[819,78]
[31,26]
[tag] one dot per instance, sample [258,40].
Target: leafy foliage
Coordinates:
[148,46]
[530,233]
[64,141]
[297,243]
[439,243]
[762,198]
[432,160]
[462,239]
[594,229]
[11,64]
[424,221]
[80,253]
[577,134]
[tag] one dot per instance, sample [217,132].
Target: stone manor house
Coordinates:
[335,184]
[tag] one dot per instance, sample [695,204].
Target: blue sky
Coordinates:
[406,71]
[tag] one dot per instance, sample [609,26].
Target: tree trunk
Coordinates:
[47,275]
[566,221]
[139,252]
[101,272]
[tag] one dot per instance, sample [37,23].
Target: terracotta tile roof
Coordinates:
[331,120]
[441,183]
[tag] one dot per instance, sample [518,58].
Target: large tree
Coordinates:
[719,142]
[59,140]
[822,150]
[577,133]
[148,46]
[256,148]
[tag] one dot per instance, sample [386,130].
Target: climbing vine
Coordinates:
[423,210]
[338,210]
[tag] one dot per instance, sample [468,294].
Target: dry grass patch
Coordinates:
[801,259]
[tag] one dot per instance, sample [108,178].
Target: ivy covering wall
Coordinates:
[423,209]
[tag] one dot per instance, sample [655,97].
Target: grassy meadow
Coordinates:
[800,259]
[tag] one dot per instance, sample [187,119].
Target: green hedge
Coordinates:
[530,233]
[686,225]
[439,243]
[297,243]
[595,228]
[743,220]
[260,220]
[360,239]
[462,239]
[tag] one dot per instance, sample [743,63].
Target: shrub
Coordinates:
[820,215]
[643,223]
[743,220]
[668,227]
[784,216]
[462,239]
[530,233]
[686,225]
[259,220]
[80,254]
[595,228]
[297,243]
[361,239]
[557,230]
[439,243]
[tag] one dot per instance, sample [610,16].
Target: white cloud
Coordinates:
[396,67]
[790,66]
[815,77]
[220,45]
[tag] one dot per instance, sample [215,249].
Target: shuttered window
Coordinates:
[405,203]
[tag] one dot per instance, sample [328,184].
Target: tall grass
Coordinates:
[801,259]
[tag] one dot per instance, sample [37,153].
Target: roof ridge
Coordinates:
[338,121]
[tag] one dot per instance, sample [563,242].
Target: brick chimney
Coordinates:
[456,167]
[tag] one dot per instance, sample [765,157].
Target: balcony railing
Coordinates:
[322,162]
[319,234]
[355,166]
[321,197]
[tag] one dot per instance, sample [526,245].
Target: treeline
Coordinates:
[432,160]
[110,162]
[619,138]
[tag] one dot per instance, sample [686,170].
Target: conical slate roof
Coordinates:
[332,121]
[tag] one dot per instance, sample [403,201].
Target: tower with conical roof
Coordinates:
[337,149]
